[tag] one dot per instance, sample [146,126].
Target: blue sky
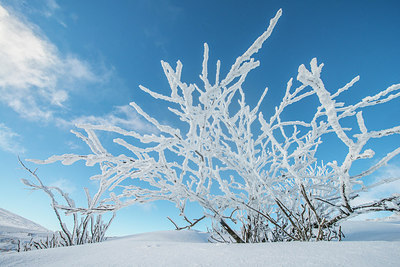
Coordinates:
[63,62]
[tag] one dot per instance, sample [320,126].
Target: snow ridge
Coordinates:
[9,221]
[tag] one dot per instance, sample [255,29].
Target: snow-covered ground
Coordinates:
[190,248]
[14,227]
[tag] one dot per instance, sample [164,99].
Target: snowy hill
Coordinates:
[190,248]
[14,227]
[372,230]
[11,221]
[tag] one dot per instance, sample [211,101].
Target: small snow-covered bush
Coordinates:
[248,172]
[53,242]
[87,227]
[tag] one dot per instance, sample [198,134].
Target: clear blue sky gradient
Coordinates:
[121,44]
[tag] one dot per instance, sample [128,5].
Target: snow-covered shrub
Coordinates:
[53,242]
[245,170]
[87,227]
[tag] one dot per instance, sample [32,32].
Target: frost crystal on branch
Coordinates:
[247,171]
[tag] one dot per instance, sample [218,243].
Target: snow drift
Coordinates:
[190,248]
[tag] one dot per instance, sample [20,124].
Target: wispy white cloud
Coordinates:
[51,7]
[34,76]
[37,80]
[388,172]
[381,191]
[65,185]
[9,140]
[73,145]
[147,207]
[122,116]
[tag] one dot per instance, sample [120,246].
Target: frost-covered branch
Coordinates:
[81,233]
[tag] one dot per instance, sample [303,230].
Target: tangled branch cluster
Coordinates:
[261,174]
